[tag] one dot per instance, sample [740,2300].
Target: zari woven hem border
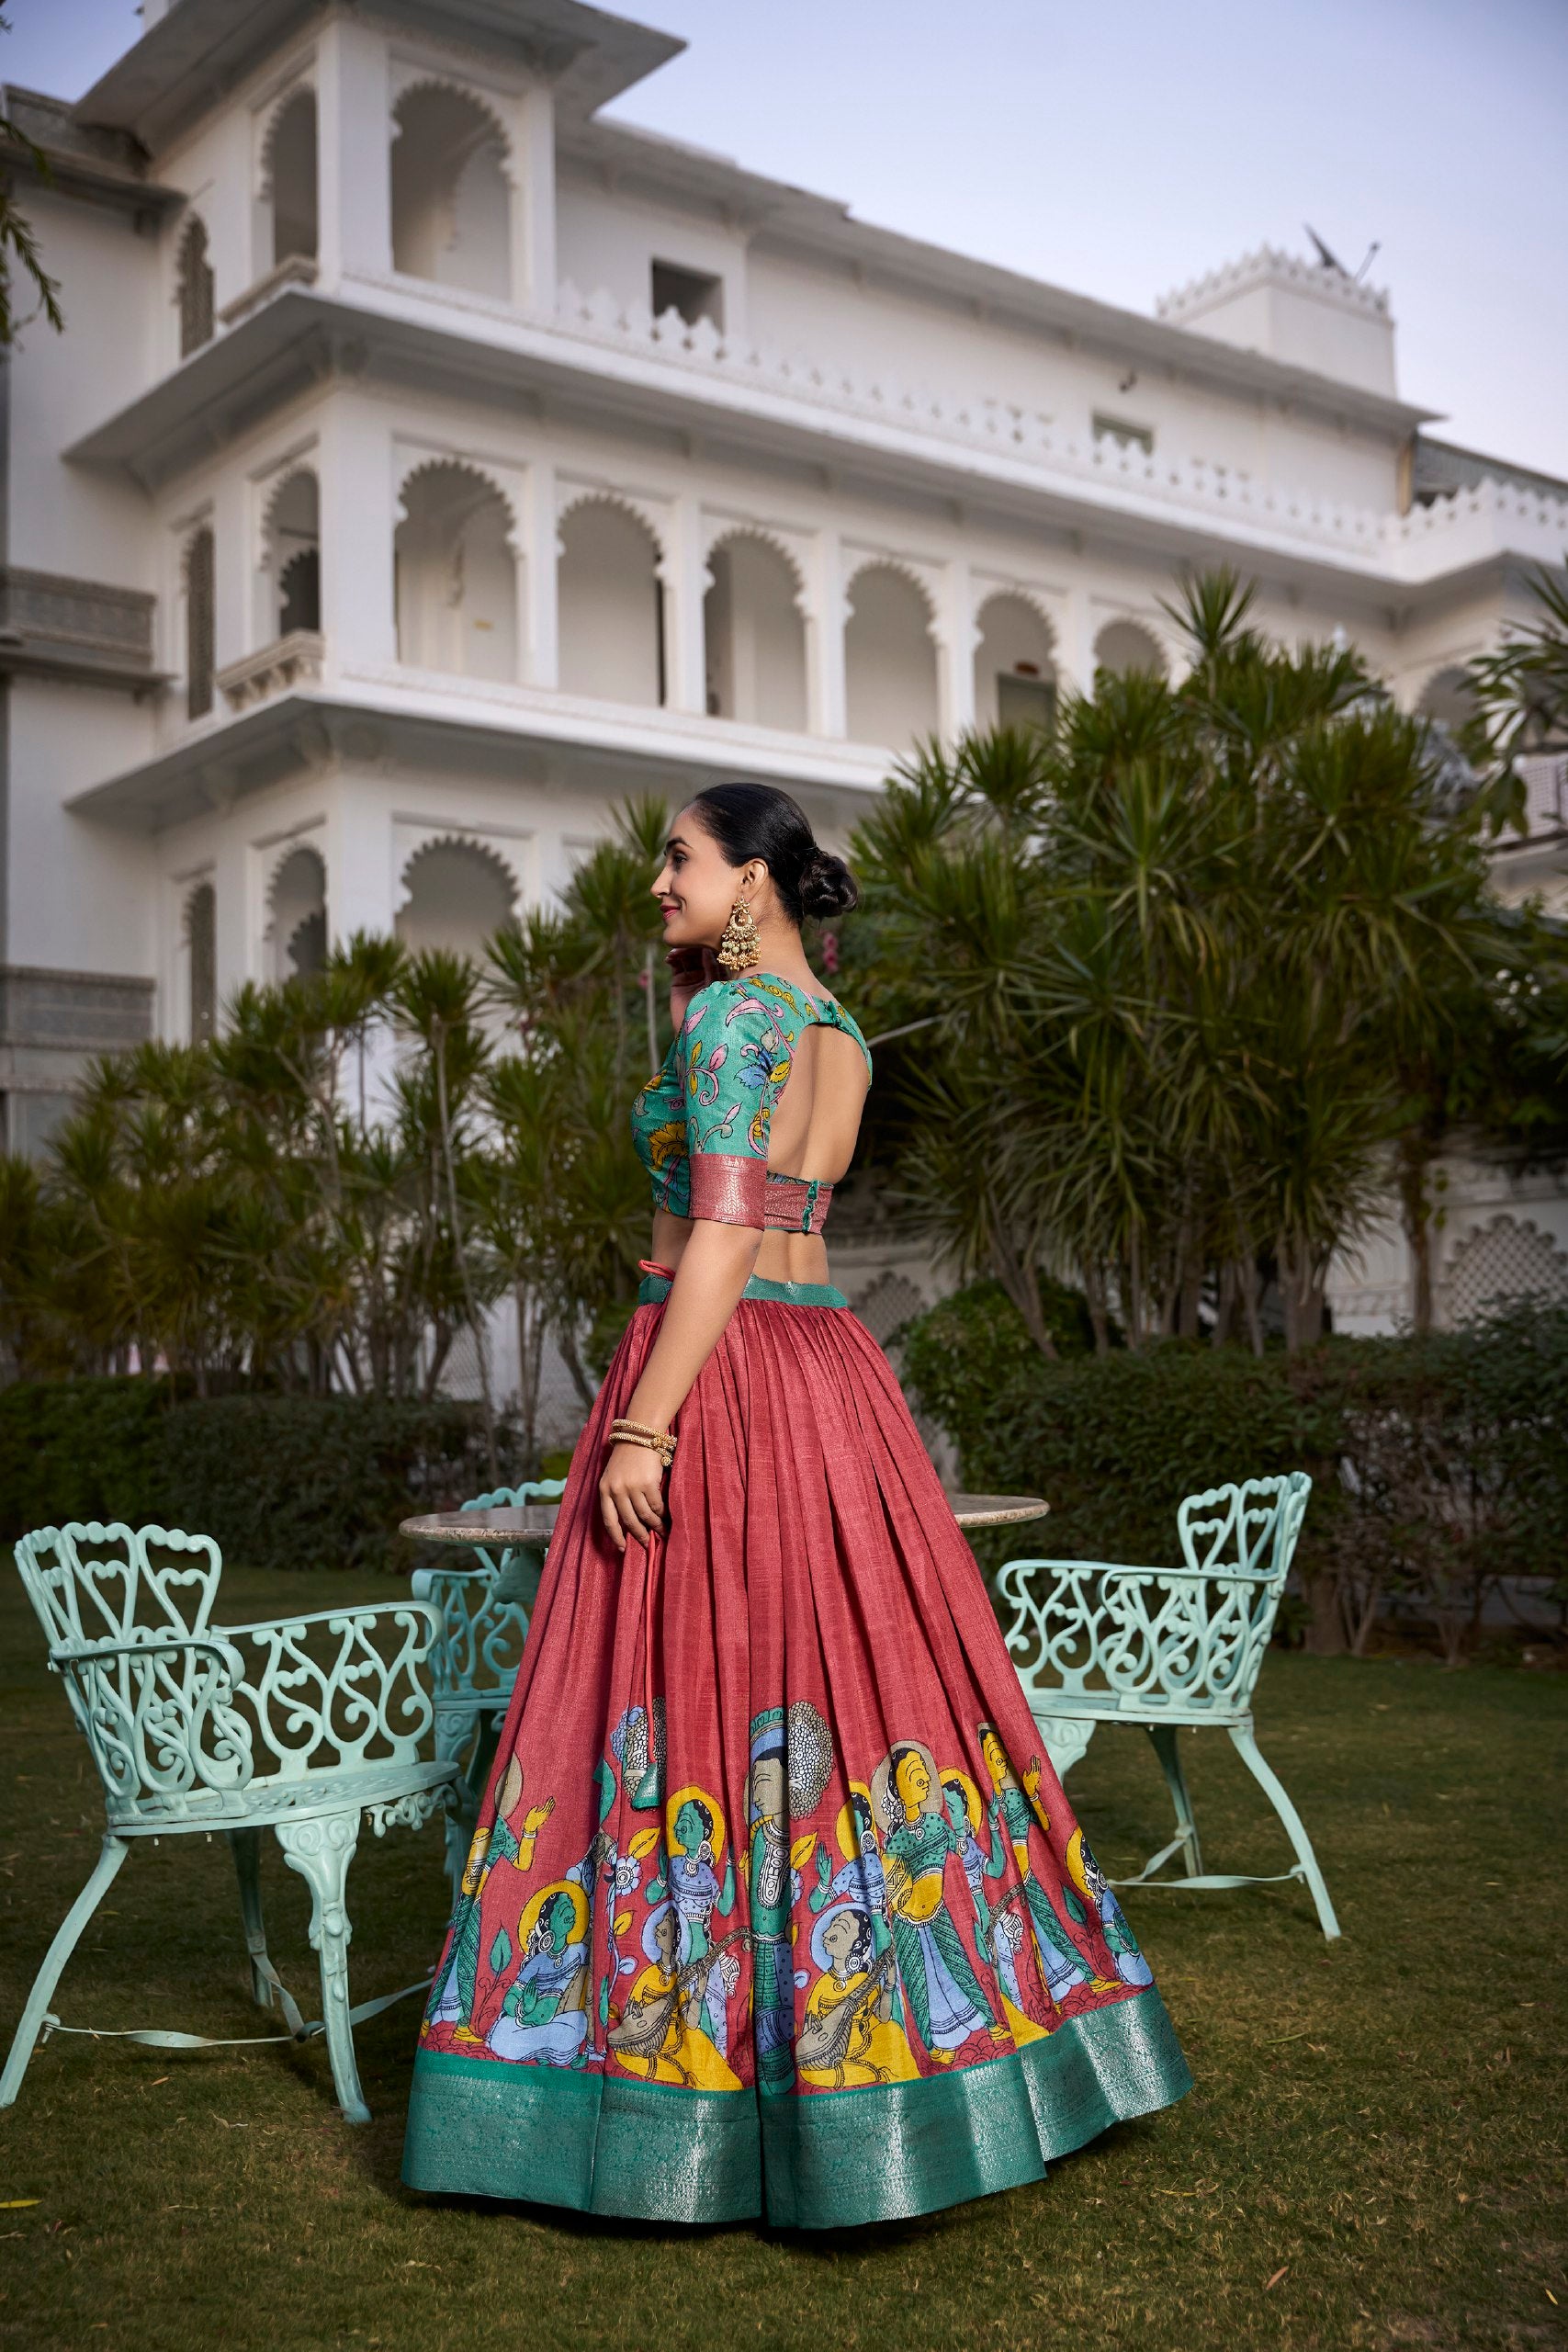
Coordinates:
[816,2160]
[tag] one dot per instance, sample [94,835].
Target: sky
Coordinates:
[1123,149]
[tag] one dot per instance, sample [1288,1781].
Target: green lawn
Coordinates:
[1373,2154]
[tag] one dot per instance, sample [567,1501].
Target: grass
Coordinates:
[1373,2156]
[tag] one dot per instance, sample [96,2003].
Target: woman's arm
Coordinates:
[714,1269]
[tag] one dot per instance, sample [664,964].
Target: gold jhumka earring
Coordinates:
[738,946]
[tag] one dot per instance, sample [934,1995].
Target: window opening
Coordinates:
[1125,435]
[196,289]
[690,292]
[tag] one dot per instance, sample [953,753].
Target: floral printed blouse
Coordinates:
[701,1123]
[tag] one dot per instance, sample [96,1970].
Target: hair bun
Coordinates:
[827,886]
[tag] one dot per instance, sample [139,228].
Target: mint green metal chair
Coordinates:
[483,1603]
[302,1725]
[1169,1648]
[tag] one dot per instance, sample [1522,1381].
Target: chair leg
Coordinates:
[322,1851]
[111,1854]
[267,1988]
[1164,1738]
[1273,1788]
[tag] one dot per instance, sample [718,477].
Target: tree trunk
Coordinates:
[1228,1299]
[459,1241]
[565,1339]
[530,1352]
[1099,1310]
[1133,1292]
[1325,1631]
[1303,1282]
[1023,1286]
[1415,1214]
[1246,1279]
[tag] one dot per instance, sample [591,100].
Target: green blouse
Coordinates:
[701,1123]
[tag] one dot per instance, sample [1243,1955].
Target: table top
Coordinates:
[534,1521]
[995,1510]
[531,1524]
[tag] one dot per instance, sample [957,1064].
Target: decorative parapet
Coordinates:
[295,270]
[1220,492]
[1270,266]
[52,1022]
[286,663]
[62,626]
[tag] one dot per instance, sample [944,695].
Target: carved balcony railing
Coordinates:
[295,270]
[54,625]
[287,661]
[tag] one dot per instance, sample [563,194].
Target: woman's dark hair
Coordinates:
[759,821]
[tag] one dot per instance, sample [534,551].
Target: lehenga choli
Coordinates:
[775,1906]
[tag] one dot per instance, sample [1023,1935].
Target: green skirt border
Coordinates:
[654,1289]
[814,2160]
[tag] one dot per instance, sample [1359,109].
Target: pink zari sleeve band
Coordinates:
[727,1188]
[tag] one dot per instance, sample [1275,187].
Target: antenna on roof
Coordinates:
[1374,248]
[1327,260]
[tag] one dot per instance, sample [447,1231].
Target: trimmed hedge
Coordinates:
[282,1482]
[1439,1463]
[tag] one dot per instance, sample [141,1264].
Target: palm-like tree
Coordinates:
[1168,977]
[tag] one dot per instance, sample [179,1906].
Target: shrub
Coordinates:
[1439,1463]
[282,1482]
[80,1449]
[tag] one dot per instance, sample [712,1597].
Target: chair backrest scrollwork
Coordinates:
[186,1718]
[1146,1637]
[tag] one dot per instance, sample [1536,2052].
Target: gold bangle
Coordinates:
[624,1431]
[625,1427]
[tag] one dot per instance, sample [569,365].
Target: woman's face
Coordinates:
[840,1936]
[696,886]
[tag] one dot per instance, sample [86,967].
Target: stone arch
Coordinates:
[455,571]
[905,569]
[1503,1263]
[198,567]
[591,494]
[611,594]
[455,893]
[198,942]
[291,552]
[194,286]
[294,941]
[1123,646]
[720,534]
[419,466]
[890,662]
[451,170]
[1015,662]
[754,632]
[289,174]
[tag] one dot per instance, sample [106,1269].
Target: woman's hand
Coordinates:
[690,969]
[631,1493]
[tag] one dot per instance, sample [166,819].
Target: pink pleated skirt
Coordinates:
[775,1908]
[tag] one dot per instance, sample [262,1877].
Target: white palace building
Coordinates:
[429,463]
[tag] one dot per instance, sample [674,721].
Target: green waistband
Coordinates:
[654,1288]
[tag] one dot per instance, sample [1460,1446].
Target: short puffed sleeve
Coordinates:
[736,1046]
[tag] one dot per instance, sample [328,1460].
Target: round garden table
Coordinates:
[532,1523]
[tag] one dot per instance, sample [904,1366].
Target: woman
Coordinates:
[756,1593]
